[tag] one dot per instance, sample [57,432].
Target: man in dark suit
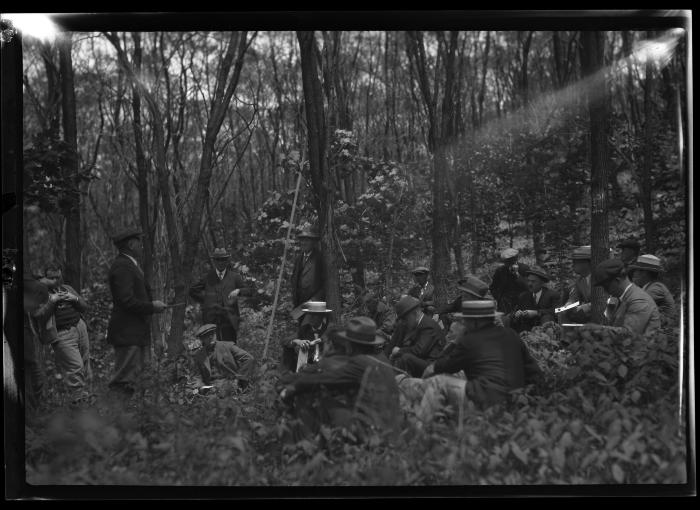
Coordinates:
[535,306]
[417,339]
[423,290]
[218,294]
[129,328]
[308,280]
[509,281]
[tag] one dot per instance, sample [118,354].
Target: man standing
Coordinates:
[581,291]
[646,275]
[217,360]
[218,294]
[70,342]
[129,328]
[535,306]
[423,290]
[508,281]
[417,341]
[635,312]
[308,275]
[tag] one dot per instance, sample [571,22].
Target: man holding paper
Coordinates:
[581,291]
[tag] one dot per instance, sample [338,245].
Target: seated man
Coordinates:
[217,361]
[380,313]
[423,290]
[493,358]
[536,306]
[635,311]
[351,383]
[645,275]
[581,290]
[470,288]
[308,338]
[417,340]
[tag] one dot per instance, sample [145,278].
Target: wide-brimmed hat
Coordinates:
[477,309]
[647,262]
[630,243]
[360,330]
[538,271]
[205,329]
[125,234]
[420,270]
[308,233]
[315,307]
[607,270]
[220,253]
[581,253]
[405,305]
[509,253]
[473,286]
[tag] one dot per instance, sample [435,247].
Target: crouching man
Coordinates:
[218,361]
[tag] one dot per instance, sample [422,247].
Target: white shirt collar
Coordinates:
[537,295]
[131,258]
[220,274]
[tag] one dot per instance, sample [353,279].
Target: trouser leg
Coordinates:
[69,361]
[245,362]
[84,346]
[412,364]
[128,365]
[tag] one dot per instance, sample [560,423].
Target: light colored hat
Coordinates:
[205,329]
[473,286]
[476,309]
[315,307]
[361,330]
[421,270]
[647,262]
[309,234]
[509,253]
[581,253]
[220,253]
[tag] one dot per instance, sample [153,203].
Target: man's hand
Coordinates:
[287,393]
[55,297]
[531,314]
[159,306]
[584,308]
[394,353]
[301,344]
[429,370]
[233,295]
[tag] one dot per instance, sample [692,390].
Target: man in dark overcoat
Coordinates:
[581,290]
[508,281]
[129,328]
[308,280]
[423,290]
[218,294]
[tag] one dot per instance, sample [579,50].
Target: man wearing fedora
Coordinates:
[218,293]
[423,290]
[311,330]
[645,274]
[581,290]
[470,287]
[129,328]
[635,311]
[630,249]
[417,339]
[380,312]
[536,305]
[216,360]
[308,275]
[352,383]
[494,359]
[509,281]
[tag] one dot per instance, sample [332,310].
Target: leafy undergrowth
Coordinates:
[606,412]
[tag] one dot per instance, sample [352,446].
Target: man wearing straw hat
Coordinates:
[635,311]
[470,287]
[417,339]
[493,358]
[351,383]
[308,277]
[536,305]
[581,290]
[129,328]
[508,281]
[218,294]
[305,346]
[645,274]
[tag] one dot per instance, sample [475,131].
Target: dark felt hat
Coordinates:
[421,270]
[125,234]
[538,271]
[205,329]
[630,243]
[607,270]
[473,286]
[581,253]
[360,330]
[405,305]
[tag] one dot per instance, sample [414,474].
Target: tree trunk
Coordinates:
[322,181]
[592,52]
[646,184]
[73,247]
